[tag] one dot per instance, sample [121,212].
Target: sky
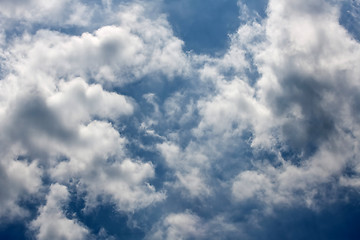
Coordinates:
[179,119]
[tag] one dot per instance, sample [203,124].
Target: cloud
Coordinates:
[79,102]
[307,72]
[53,115]
[300,109]
[19,180]
[68,12]
[301,69]
[233,110]
[97,160]
[52,222]
[114,54]
[186,164]
[53,109]
[43,125]
[187,225]
[180,226]
[249,184]
[105,172]
[61,127]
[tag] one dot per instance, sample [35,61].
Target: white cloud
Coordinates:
[19,180]
[188,225]
[187,165]
[98,161]
[46,125]
[302,184]
[112,55]
[179,226]
[72,12]
[52,222]
[249,184]
[48,104]
[79,102]
[234,109]
[301,103]
[308,82]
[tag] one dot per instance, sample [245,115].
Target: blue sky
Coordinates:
[167,119]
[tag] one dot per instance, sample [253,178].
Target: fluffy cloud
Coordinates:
[49,103]
[19,180]
[180,226]
[61,127]
[52,222]
[250,183]
[302,184]
[79,102]
[187,165]
[114,54]
[68,12]
[308,83]
[98,162]
[303,71]
[43,125]
[300,109]
[233,110]
[187,225]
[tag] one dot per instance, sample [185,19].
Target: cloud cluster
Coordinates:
[309,83]
[300,110]
[18,180]
[58,120]
[187,225]
[114,54]
[64,13]
[104,100]
[52,222]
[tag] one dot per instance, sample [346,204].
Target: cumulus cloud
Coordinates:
[100,165]
[68,12]
[114,54]
[306,72]
[233,110]
[180,226]
[187,225]
[19,180]
[301,71]
[53,114]
[300,108]
[187,165]
[52,222]
[79,102]
[303,184]
[250,183]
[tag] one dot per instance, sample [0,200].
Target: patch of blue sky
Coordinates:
[338,221]
[350,17]
[103,217]
[256,6]
[204,27]
[16,230]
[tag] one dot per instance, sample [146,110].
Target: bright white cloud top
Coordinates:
[111,128]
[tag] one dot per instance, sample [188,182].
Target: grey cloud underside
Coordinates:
[184,145]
